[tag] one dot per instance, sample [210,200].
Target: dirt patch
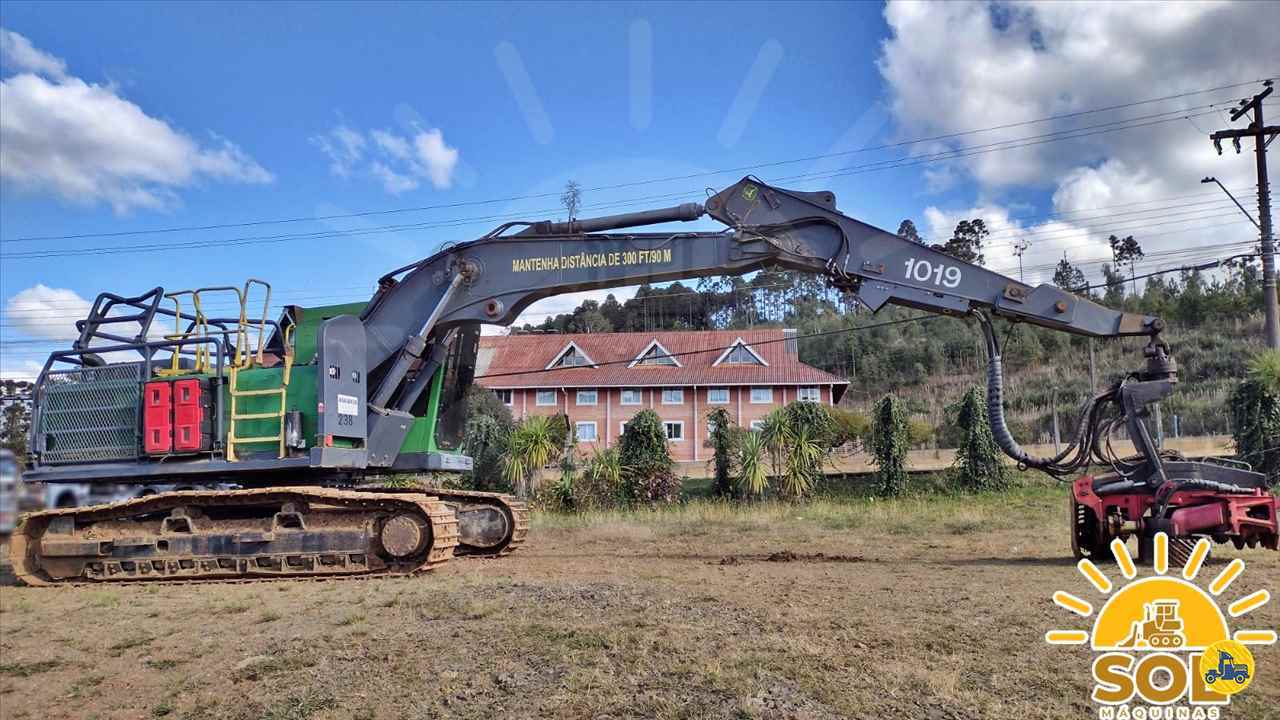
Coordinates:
[708,615]
[787,556]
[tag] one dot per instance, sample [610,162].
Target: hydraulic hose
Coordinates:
[1079,448]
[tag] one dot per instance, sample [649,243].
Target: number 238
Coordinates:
[938,274]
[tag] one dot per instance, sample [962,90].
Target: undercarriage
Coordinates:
[279,532]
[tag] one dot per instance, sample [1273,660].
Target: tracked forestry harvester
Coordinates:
[278,431]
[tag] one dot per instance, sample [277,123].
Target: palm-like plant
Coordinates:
[776,433]
[532,446]
[753,472]
[804,461]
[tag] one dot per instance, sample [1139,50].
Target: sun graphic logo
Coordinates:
[1164,640]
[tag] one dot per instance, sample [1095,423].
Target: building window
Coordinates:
[717,396]
[672,396]
[674,430]
[571,356]
[587,397]
[809,394]
[761,395]
[546,398]
[504,396]
[586,431]
[757,425]
[632,396]
[655,354]
[741,355]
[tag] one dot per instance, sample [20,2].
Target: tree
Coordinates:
[907,231]
[484,437]
[977,465]
[889,443]
[1126,251]
[1255,415]
[724,442]
[571,198]
[1069,277]
[1113,286]
[15,429]
[646,462]
[967,240]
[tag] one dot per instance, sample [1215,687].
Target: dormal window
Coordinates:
[572,357]
[655,355]
[740,353]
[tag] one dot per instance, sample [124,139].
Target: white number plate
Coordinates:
[348,405]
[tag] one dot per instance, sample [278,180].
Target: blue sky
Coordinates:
[121,117]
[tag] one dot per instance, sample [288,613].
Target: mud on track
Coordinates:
[932,610]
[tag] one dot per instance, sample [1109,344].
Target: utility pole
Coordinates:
[1020,246]
[1057,437]
[1261,135]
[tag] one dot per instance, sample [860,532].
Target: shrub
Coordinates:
[889,442]
[1255,415]
[531,446]
[646,463]
[485,439]
[851,428]
[601,483]
[977,465]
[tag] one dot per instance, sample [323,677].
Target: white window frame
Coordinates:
[622,396]
[595,396]
[665,423]
[674,389]
[729,350]
[622,427]
[510,399]
[654,343]
[571,346]
[803,390]
[725,401]
[757,425]
[768,388]
[537,398]
[595,432]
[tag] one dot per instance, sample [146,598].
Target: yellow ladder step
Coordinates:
[256,416]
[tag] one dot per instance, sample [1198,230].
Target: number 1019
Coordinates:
[938,274]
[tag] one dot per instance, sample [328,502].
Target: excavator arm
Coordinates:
[494,278]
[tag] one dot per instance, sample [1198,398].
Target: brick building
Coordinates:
[601,380]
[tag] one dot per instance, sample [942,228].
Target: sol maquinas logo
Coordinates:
[1165,650]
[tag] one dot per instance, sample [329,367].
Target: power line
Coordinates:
[689,176]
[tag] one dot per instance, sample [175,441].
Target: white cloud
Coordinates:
[399,162]
[46,313]
[85,143]
[1009,62]
[18,52]
[18,369]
